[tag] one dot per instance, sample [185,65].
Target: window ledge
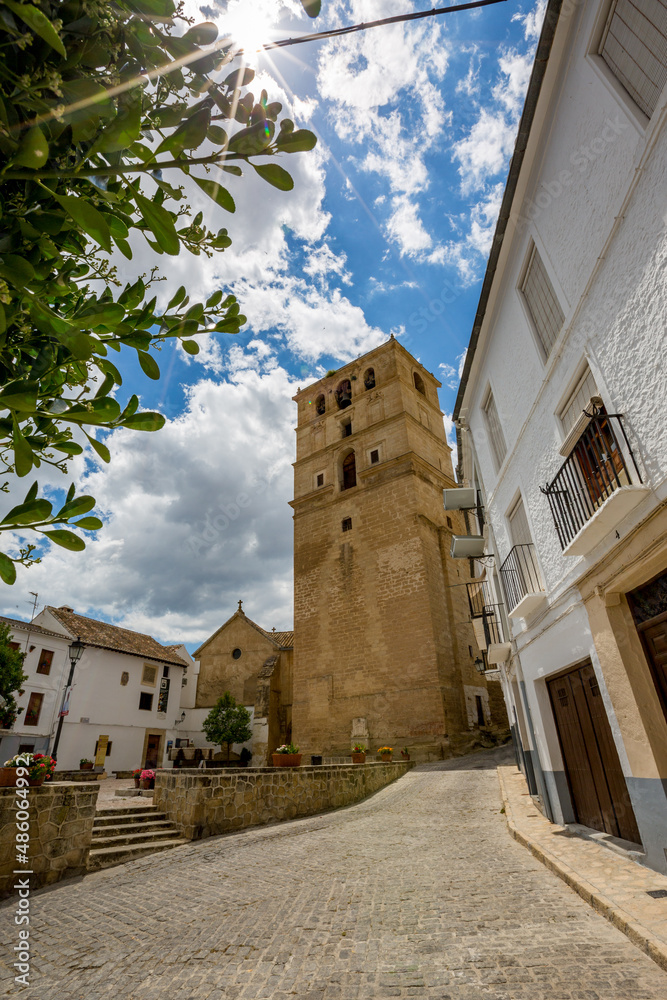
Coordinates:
[499,652]
[611,513]
[528,604]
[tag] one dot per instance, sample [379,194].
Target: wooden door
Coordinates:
[654,639]
[152,750]
[599,793]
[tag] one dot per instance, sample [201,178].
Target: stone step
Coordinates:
[139,836]
[118,829]
[110,816]
[106,857]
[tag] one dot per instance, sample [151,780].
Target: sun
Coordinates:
[250,23]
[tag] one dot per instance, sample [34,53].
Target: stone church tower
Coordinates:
[383,648]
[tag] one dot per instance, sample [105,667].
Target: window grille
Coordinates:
[543,306]
[34,709]
[578,399]
[634,47]
[45,661]
[495,431]
[149,675]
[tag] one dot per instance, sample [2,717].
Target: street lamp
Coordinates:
[75,651]
[480,665]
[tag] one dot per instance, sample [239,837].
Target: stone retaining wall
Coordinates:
[203,803]
[61,827]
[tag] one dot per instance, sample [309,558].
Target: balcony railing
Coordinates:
[521,576]
[493,624]
[594,470]
[479,595]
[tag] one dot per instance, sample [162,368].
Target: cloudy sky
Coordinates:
[387,230]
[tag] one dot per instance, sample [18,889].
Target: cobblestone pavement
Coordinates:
[416,892]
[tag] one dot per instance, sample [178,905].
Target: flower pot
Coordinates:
[87,767]
[36,782]
[386,757]
[358,758]
[286,759]
[147,783]
[7,777]
[405,756]
[137,782]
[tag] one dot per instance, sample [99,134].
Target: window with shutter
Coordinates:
[543,306]
[495,431]
[634,47]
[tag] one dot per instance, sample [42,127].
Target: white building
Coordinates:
[126,686]
[561,422]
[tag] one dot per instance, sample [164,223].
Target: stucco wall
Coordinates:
[206,803]
[61,826]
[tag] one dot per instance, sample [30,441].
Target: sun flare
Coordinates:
[251,24]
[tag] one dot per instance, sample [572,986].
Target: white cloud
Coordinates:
[483,153]
[532,20]
[198,514]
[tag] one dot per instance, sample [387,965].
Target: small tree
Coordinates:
[11,678]
[227,723]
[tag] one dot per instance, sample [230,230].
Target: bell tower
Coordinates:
[383,648]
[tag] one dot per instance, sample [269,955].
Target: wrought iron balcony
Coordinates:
[522,581]
[479,595]
[596,486]
[493,625]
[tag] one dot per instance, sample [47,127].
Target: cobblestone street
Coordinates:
[416,892]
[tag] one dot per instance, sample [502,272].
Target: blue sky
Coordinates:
[387,230]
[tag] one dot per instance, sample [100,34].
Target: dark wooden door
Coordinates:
[599,793]
[654,636]
[152,750]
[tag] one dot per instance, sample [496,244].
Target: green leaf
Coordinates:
[71,491]
[76,507]
[189,135]
[32,492]
[146,421]
[216,135]
[37,22]
[67,539]
[311,7]
[20,396]
[110,369]
[7,569]
[296,142]
[87,218]
[253,139]
[190,346]
[98,411]
[131,407]
[241,77]
[16,270]
[68,447]
[149,365]
[214,299]
[99,448]
[122,132]
[23,457]
[231,169]
[124,247]
[104,314]
[160,222]
[202,34]
[29,513]
[33,151]
[139,339]
[220,195]
[178,298]
[275,175]
[89,524]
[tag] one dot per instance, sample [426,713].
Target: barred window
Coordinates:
[634,47]
[495,431]
[543,306]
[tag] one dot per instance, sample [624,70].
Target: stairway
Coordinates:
[121,835]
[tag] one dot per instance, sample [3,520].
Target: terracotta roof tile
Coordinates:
[284,639]
[122,640]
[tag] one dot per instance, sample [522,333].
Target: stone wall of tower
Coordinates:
[382,642]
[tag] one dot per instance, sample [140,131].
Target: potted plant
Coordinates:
[85,764]
[245,758]
[358,753]
[40,767]
[136,774]
[286,755]
[405,753]
[386,752]
[148,778]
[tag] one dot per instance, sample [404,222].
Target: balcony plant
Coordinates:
[386,752]
[148,778]
[405,753]
[286,755]
[85,764]
[136,774]
[358,753]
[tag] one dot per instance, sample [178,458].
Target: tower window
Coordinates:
[369,378]
[349,471]
[236,653]
[449,523]
[346,524]
[45,661]
[320,479]
[320,404]
[145,701]
[343,394]
[346,428]
[375,456]
[419,383]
